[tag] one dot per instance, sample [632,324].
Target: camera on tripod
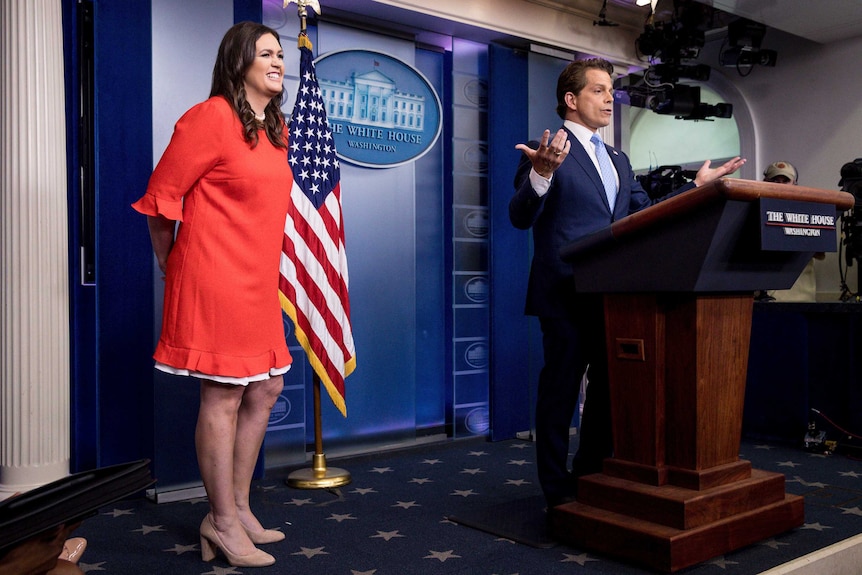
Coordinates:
[851,221]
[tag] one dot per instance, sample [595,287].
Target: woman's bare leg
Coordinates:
[215,440]
[252,421]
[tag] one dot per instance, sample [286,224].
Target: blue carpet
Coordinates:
[393,519]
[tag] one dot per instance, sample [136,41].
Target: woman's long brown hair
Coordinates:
[235,56]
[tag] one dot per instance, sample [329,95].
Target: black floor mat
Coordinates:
[521,520]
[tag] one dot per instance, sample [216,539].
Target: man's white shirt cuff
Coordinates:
[540,184]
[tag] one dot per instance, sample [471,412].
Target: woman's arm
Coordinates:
[162,238]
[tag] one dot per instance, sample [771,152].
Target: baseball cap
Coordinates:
[851,171]
[776,169]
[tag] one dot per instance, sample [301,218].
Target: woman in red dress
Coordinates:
[225,178]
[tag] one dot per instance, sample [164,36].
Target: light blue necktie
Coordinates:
[609,178]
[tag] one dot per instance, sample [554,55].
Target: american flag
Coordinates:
[313,272]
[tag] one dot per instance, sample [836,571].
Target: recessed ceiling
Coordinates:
[821,21]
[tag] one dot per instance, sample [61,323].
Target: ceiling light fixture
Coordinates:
[603,21]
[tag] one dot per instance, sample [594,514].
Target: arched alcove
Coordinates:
[660,140]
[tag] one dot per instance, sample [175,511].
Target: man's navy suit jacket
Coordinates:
[576,205]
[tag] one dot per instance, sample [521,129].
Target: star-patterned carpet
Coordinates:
[392,519]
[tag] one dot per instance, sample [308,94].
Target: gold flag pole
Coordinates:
[319,476]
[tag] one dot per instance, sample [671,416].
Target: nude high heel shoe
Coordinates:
[266,536]
[210,542]
[73,549]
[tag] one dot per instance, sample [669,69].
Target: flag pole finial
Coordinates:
[302,11]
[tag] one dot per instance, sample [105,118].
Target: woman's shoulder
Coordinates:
[215,107]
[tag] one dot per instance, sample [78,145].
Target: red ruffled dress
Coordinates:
[222,316]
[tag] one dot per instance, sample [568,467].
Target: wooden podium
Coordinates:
[678,280]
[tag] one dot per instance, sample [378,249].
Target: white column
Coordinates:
[34,289]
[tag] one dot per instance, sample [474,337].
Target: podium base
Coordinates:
[752,512]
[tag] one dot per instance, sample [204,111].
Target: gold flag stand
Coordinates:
[319,476]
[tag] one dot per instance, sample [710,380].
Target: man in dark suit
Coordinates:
[566,187]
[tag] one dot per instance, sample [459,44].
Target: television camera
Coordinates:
[672,47]
[851,227]
[665,179]
[851,221]
[744,38]
[682,101]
